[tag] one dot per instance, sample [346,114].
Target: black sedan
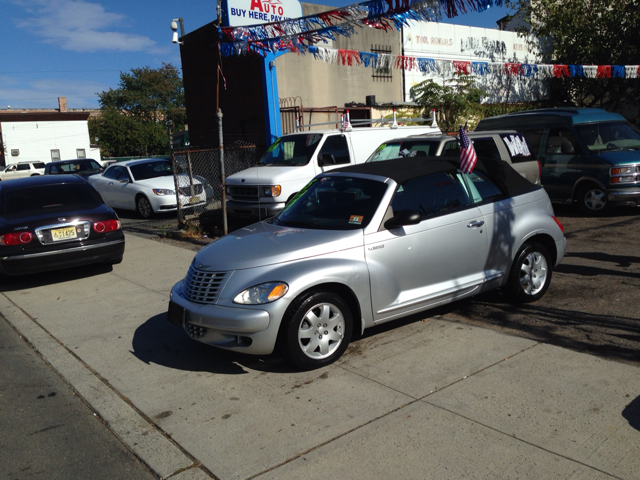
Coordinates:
[51,222]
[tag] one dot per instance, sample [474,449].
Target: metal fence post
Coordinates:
[222,175]
[181,222]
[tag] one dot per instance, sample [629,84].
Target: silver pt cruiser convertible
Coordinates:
[366,244]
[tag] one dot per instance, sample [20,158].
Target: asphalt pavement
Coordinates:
[426,397]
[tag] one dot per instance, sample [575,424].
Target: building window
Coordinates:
[55,155]
[80,153]
[382,70]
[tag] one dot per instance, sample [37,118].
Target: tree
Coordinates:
[454,100]
[588,32]
[136,116]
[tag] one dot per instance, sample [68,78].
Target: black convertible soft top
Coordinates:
[403,169]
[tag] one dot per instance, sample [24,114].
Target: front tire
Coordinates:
[316,330]
[592,200]
[530,274]
[143,206]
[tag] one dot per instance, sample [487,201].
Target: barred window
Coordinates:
[382,69]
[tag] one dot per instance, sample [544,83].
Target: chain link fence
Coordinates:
[199,178]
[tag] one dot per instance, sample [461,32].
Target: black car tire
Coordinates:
[530,274]
[592,200]
[143,207]
[316,330]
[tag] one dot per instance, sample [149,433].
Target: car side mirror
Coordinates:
[326,159]
[402,218]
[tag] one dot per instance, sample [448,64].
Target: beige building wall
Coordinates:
[319,84]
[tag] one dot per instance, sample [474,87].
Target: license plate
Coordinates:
[63,234]
[194,199]
[175,314]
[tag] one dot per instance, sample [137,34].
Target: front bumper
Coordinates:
[626,195]
[45,259]
[247,329]
[258,211]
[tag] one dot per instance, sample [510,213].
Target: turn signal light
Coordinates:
[107,226]
[15,238]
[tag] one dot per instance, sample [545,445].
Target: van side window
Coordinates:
[533,136]
[561,141]
[432,194]
[336,146]
[486,147]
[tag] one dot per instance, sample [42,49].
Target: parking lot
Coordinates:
[476,389]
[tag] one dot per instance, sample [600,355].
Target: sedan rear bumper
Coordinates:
[42,261]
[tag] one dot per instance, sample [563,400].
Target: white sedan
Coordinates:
[148,187]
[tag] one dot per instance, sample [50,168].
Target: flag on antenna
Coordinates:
[468,155]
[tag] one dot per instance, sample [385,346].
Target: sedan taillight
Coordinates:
[16,238]
[107,226]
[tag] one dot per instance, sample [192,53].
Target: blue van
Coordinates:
[588,155]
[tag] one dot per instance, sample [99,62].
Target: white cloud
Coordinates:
[81,26]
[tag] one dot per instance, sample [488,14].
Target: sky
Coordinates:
[77,48]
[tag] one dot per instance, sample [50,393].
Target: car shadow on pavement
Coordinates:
[162,343]
[632,413]
[608,336]
[22,282]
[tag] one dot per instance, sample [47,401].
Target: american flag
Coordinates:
[468,155]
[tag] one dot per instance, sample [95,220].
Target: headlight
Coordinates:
[623,170]
[263,293]
[272,191]
[163,191]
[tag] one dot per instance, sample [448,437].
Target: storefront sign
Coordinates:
[239,13]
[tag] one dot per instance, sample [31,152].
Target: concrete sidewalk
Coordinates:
[427,399]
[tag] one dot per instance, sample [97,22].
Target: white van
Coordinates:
[293,160]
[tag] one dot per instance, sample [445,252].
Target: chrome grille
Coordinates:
[201,286]
[197,190]
[238,192]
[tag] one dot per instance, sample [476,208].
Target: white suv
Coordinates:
[22,169]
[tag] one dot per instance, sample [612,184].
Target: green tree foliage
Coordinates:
[588,32]
[454,101]
[135,115]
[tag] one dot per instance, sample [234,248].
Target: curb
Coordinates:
[161,455]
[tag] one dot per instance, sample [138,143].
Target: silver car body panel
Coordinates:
[460,253]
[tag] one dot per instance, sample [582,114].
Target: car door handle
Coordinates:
[477,223]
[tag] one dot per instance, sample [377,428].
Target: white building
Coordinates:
[45,135]
[490,49]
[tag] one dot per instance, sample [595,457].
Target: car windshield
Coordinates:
[41,198]
[293,150]
[333,203]
[407,148]
[609,136]
[153,169]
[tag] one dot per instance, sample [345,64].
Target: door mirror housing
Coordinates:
[402,218]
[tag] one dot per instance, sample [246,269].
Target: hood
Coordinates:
[266,175]
[263,244]
[620,157]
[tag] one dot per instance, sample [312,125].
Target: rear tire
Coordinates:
[592,200]
[143,206]
[530,274]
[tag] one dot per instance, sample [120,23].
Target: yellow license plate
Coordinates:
[194,199]
[63,234]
